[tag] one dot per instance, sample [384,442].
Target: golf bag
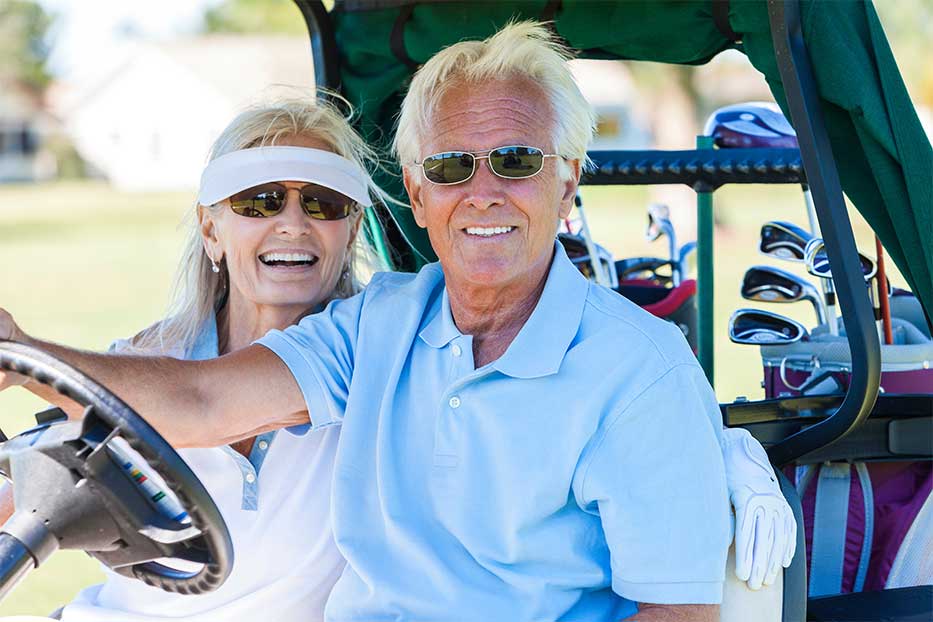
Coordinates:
[675,304]
[868,525]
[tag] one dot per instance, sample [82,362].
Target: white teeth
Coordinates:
[286,257]
[488,231]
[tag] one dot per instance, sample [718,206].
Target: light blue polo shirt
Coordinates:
[578,474]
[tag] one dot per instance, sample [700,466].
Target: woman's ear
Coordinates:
[209,235]
[355,227]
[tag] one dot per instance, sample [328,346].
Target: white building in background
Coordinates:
[23,124]
[620,122]
[147,120]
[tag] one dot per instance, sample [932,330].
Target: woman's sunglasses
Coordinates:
[510,162]
[268,200]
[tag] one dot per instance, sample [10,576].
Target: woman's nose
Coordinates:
[292,218]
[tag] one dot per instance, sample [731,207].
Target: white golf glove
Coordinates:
[765,529]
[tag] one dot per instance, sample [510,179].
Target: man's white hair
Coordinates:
[519,50]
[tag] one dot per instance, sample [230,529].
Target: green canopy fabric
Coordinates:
[884,159]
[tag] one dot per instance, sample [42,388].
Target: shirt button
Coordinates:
[263,445]
[250,478]
[455,350]
[454,402]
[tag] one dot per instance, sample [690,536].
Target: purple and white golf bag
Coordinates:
[868,525]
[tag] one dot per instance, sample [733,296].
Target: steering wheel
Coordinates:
[103,485]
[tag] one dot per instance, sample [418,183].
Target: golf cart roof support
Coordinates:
[823,178]
[324,53]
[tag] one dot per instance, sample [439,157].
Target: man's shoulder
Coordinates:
[616,321]
[408,289]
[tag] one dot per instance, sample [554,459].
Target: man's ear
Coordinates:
[570,188]
[413,188]
[209,237]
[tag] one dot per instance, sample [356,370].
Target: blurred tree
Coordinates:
[265,16]
[909,27]
[23,46]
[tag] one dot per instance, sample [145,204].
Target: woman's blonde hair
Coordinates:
[198,291]
[519,50]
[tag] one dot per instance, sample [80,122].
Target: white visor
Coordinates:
[239,170]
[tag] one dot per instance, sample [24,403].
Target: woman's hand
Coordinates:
[10,331]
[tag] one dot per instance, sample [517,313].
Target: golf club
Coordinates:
[768,284]
[659,223]
[757,327]
[787,241]
[644,268]
[682,268]
[783,240]
[817,262]
[883,292]
[600,274]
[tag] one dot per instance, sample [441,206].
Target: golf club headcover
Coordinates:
[765,529]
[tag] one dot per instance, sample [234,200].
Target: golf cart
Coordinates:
[366,49]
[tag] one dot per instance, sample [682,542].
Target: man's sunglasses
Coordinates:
[268,200]
[510,162]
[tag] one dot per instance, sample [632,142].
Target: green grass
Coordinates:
[84,264]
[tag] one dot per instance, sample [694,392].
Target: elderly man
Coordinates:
[517,443]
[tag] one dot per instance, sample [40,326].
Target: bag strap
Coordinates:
[830,526]
[830,518]
[721,20]
[868,498]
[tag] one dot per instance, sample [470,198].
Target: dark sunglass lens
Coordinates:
[516,162]
[325,204]
[258,202]
[448,168]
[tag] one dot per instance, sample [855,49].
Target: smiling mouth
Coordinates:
[288,260]
[487,232]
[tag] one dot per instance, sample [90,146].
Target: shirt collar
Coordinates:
[205,345]
[440,328]
[540,345]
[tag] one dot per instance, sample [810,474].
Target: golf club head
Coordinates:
[768,284]
[783,240]
[752,124]
[646,268]
[757,327]
[658,213]
[817,261]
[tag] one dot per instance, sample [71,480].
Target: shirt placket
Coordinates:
[454,403]
[250,467]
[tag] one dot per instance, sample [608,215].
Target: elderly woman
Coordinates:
[275,238]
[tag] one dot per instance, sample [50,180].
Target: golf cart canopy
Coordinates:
[369,49]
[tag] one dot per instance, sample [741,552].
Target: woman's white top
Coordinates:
[276,505]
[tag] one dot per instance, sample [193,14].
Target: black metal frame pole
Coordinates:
[804,106]
[324,51]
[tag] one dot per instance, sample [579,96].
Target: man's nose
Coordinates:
[484,188]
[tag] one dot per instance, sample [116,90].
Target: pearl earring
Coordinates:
[214,267]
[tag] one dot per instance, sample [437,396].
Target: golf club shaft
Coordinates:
[601,277]
[883,294]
